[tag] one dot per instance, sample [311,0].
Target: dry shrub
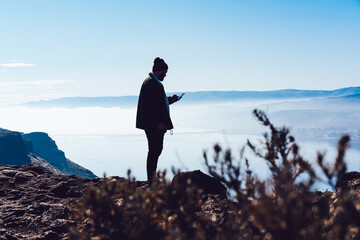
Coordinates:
[280,207]
[121,209]
[284,206]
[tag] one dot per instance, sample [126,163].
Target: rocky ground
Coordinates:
[35,204]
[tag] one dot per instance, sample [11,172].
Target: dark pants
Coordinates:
[155,142]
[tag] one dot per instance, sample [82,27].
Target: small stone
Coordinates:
[19,212]
[37,169]
[9,173]
[4,178]
[22,177]
[59,226]
[61,190]
[35,209]
[50,235]
[53,212]
[10,237]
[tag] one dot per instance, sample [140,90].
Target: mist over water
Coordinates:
[105,140]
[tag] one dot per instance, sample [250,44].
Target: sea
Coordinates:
[105,140]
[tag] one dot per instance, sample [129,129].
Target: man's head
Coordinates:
[160,68]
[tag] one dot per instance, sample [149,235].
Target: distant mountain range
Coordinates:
[200,97]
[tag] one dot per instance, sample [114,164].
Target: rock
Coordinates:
[13,194]
[4,178]
[50,235]
[61,190]
[34,201]
[22,177]
[40,207]
[53,212]
[9,173]
[59,226]
[36,208]
[37,169]
[10,237]
[202,181]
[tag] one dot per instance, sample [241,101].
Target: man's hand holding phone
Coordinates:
[175,98]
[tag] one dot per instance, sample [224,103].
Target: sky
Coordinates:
[53,49]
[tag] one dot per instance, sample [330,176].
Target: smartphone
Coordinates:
[181,95]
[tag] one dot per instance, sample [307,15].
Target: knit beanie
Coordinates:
[159,65]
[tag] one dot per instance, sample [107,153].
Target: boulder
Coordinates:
[198,179]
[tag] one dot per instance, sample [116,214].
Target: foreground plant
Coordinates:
[284,205]
[280,207]
[122,209]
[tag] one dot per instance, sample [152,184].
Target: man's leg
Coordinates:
[155,143]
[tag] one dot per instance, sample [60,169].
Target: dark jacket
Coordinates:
[152,108]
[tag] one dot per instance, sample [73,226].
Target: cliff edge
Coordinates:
[39,149]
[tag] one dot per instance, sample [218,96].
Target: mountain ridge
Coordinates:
[195,97]
[37,148]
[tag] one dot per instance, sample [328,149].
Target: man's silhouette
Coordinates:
[153,114]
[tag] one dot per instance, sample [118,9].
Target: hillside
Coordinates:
[38,205]
[37,148]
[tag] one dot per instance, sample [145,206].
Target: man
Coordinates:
[153,114]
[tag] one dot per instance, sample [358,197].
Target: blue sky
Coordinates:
[52,49]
